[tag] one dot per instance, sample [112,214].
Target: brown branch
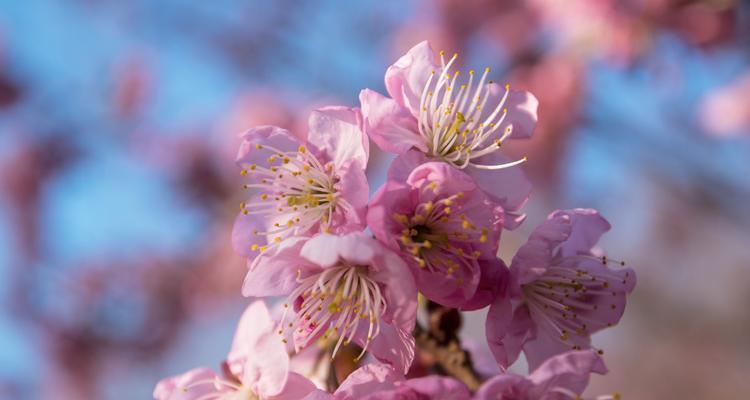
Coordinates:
[441,342]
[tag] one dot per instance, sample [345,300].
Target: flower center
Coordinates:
[454,123]
[437,237]
[565,297]
[297,192]
[334,302]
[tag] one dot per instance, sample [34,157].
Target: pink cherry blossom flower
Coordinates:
[562,377]
[381,382]
[560,293]
[342,288]
[464,124]
[257,367]
[444,226]
[303,184]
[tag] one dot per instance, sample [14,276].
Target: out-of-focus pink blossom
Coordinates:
[560,293]
[563,377]
[347,288]
[726,111]
[304,184]
[444,226]
[464,124]
[257,367]
[381,382]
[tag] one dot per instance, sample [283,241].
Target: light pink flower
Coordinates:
[444,226]
[302,184]
[345,288]
[432,112]
[257,367]
[381,382]
[563,377]
[560,293]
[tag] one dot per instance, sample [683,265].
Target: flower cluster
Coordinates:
[350,269]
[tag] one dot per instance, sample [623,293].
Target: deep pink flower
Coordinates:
[563,377]
[444,226]
[303,184]
[345,288]
[257,368]
[431,111]
[560,293]
[381,382]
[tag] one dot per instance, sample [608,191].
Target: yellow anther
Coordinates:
[258,146]
[302,149]
[254,247]
[243,172]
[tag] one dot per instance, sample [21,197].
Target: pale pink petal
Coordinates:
[389,124]
[354,190]
[279,138]
[570,370]
[276,274]
[406,78]
[400,290]
[191,385]
[244,234]
[336,132]
[522,114]
[267,368]
[366,380]
[327,250]
[403,165]
[254,322]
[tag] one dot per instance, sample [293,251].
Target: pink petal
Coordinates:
[536,255]
[406,78]
[439,388]
[297,387]
[386,201]
[570,370]
[494,277]
[508,186]
[393,346]
[389,124]
[510,386]
[336,131]
[587,226]
[496,328]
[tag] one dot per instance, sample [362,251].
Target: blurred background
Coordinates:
[118,129]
